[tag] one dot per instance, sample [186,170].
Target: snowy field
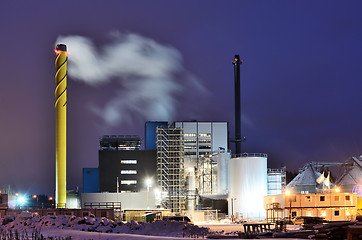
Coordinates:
[91,228]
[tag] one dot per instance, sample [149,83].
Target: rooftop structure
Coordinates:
[120,142]
[352,176]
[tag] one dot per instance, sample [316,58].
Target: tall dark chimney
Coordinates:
[238,138]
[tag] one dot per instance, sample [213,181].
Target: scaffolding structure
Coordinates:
[170,168]
[205,176]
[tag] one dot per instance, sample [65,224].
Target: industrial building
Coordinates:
[310,193]
[276,181]
[186,163]
[123,167]
[352,176]
[151,133]
[330,205]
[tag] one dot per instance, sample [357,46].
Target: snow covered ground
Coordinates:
[97,228]
[90,228]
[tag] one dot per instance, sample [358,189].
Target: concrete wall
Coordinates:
[133,200]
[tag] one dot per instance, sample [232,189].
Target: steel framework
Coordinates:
[170,168]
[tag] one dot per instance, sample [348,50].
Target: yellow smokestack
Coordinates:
[61,126]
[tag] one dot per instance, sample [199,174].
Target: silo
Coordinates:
[248,186]
[222,158]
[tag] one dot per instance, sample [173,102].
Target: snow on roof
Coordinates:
[353,175]
[306,177]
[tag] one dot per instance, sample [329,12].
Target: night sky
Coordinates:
[301,78]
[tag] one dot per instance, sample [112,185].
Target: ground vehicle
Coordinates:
[298,220]
[177,218]
[304,220]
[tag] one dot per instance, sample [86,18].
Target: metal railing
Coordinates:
[250,155]
[93,205]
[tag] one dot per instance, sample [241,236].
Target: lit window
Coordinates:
[308,213]
[190,147]
[190,135]
[205,135]
[128,182]
[128,161]
[128,171]
[348,213]
[323,213]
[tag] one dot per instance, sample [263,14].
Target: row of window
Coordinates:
[200,135]
[132,161]
[323,198]
[336,198]
[127,172]
[323,213]
[128,182]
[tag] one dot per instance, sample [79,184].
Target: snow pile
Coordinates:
[29,222]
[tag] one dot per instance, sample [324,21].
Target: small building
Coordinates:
[330,205]
[123,166]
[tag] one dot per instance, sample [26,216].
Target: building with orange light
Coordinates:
[330,205]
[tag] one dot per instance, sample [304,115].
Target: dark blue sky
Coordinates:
[301,78]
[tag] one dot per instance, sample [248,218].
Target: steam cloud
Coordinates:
[150,75]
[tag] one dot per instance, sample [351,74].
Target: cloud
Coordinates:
[150,75]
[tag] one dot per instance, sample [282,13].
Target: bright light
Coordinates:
[21,200]
[57,52]
[287,193]
[148,182]
[337,189]
[35,196]
[50,198]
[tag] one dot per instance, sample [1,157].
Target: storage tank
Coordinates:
[248,186]
[222,158]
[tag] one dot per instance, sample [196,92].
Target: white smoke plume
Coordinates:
[150,75]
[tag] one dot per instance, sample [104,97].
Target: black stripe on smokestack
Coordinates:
[238,138]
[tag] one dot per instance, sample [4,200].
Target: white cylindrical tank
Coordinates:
[248,186]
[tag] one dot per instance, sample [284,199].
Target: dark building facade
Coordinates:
[130,167]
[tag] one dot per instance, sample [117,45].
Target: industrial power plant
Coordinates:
[187,168]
